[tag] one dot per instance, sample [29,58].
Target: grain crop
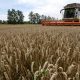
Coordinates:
[33,52]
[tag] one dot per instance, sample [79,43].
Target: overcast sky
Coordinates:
[46,7]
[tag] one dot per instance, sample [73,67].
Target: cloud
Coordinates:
[3,17]
[48,7]
[26,1]
[31,2]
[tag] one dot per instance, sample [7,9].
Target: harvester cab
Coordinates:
[71,12]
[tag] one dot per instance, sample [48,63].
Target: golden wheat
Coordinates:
[33,52]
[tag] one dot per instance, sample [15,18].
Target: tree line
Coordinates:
[17,17]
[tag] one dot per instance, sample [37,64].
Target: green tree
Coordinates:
[15,17]
[34,18]
[37,18]
[43,17]
[31,17]
[0,21]
[20,16]
[49,18]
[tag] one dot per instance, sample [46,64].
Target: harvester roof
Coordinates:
[73,5]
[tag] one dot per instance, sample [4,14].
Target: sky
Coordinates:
[47,7]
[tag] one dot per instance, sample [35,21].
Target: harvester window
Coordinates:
[69,13]
[79,9]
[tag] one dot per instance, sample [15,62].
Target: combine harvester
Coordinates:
[71,16]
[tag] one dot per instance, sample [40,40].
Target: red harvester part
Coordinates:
[60,23]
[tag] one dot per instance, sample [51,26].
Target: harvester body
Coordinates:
[71,16]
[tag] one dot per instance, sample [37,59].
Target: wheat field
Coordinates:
[31,52]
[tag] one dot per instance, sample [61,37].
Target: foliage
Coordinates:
[44,17]
[0,21]
[3,22]
[36,18]
[15,17]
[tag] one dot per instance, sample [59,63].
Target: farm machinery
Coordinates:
[71,16]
